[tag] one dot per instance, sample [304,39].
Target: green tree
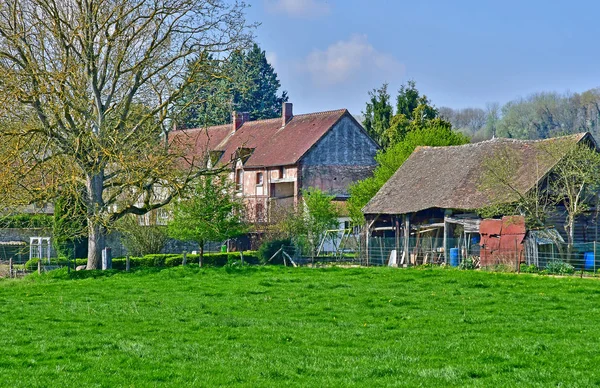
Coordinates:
[244,82]
[413,111]
[378,113]
[139,239]
[389,160]
[211,212]
[320,216]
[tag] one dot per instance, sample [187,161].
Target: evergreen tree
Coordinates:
[246,82]
[378,113]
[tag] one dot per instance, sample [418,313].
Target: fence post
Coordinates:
[39,266]
[127,263]
[10,268]
[517,256]
[184,261]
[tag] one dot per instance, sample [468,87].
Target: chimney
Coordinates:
[237,119]
[286,113]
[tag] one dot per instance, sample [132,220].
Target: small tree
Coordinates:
[320,216]
[210,213]
[141,239]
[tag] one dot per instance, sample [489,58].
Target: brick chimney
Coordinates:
[237,119]
[286,113]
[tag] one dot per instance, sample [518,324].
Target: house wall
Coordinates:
[259,198]
[343,156]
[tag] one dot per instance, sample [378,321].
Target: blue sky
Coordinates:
[330,53]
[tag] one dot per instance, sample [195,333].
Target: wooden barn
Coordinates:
[428,210]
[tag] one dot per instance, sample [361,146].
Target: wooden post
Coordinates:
[397,228]
[594,256]
[517,256]
[367,236]
[184,261]
[127,263]
[10,268]
[446,256]
[406,218]
[39,266]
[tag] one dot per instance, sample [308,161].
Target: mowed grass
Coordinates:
[300,326]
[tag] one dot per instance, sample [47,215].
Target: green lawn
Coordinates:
[266,326]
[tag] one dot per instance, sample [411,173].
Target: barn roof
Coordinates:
[450,177]
[269,142]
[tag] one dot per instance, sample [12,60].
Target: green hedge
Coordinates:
[161,260]
[32,264]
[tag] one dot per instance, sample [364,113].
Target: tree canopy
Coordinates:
[87,93]
[211,212]
[413,111]
[245,82]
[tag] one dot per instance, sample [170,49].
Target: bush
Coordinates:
[141,239]
[529,268]
[468,263]
[160,260]
[559,268]
[32,264]
[269,248]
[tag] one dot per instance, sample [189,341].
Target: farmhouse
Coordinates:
[430,204]
[273,160]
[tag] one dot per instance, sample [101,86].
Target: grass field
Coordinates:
[264,326]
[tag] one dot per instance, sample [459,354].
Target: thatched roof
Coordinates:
[451,177]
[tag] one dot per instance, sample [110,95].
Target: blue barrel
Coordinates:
[454,257]
[589,259]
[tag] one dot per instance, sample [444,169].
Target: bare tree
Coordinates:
[86,95]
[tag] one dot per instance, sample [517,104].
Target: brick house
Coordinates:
[273,160]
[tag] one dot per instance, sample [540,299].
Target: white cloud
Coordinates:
[272,58]
[299,8]
[345,60]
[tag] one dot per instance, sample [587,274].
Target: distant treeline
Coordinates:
[538,116]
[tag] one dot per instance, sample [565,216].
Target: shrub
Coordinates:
[32,264]
[141,239]
[269,248]
[468,263]
[559,268]
[531,268]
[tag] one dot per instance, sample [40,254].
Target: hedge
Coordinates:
[161,260]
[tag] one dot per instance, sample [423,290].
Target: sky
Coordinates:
[462,53]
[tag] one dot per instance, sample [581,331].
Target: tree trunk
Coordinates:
[96,232]
[200,259]
[570,237]
[96,243]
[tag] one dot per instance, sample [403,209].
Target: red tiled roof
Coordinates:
[272,144]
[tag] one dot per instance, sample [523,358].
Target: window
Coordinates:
[281,173]
[259,178]
[239,180]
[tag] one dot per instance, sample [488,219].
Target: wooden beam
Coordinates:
[406,250]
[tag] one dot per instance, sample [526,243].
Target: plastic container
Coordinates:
[454,257]
[589,259]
